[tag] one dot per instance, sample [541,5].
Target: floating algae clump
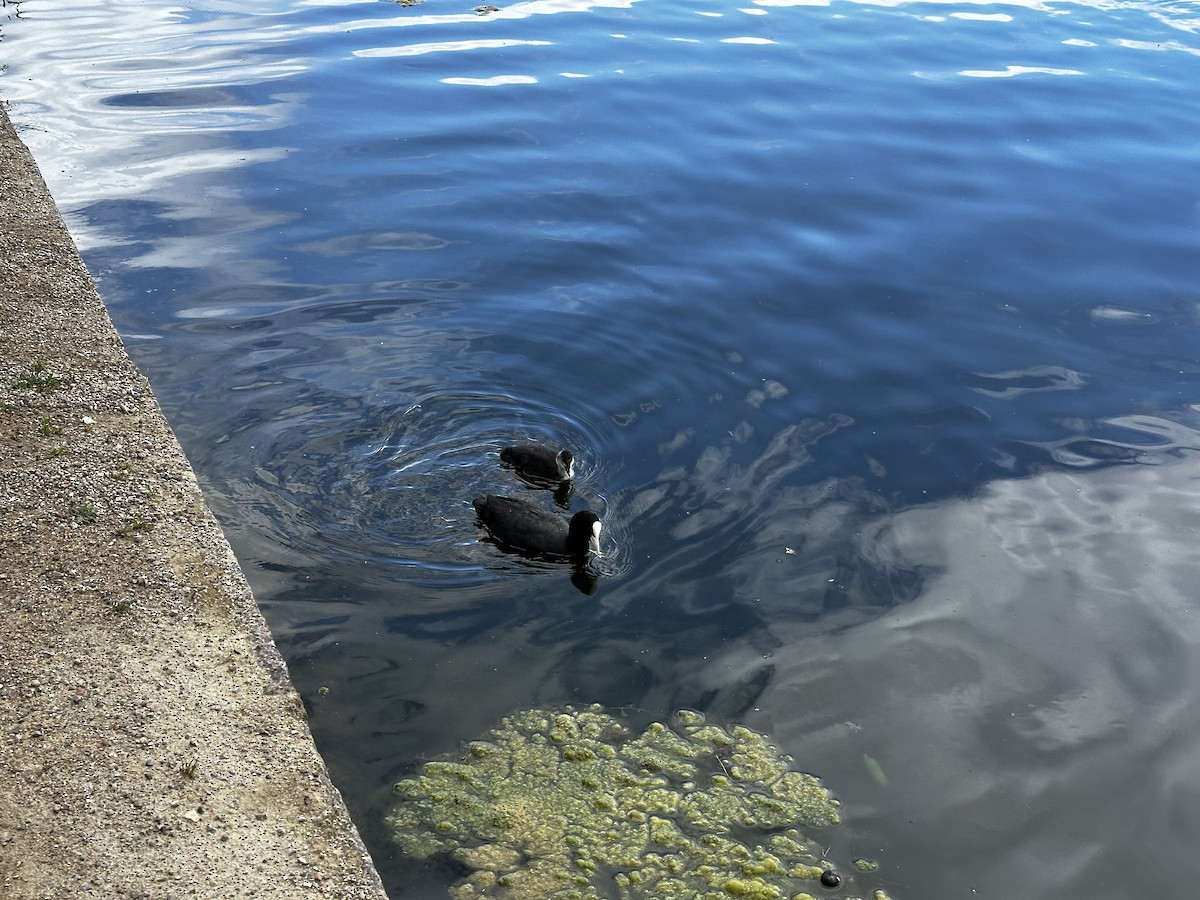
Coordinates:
[569,805]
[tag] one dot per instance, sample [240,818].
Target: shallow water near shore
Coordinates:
[873,328]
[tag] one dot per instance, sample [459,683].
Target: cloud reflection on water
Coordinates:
[125,100]
[1032,702]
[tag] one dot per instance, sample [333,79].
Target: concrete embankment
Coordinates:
[151,744]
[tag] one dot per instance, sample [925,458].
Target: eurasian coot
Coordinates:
[536,461]
[522,526]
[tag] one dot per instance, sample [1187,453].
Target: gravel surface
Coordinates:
[151,745]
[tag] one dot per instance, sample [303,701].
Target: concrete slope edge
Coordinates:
[151,743]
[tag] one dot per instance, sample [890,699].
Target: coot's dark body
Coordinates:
[520,525]
[542,463]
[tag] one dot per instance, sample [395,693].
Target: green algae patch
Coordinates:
[570,805]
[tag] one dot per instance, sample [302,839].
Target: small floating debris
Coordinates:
[875,770]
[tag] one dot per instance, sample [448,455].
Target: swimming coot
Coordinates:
[535,461]
[522,526]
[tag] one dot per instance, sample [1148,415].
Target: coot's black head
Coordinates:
[566,464]
[583,533]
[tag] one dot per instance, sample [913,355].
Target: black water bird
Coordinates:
[520,525]
[538,462]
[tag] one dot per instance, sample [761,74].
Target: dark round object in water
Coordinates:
[520,525]
[830,878]
[536,461]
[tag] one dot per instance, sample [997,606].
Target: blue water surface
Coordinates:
[873,326]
